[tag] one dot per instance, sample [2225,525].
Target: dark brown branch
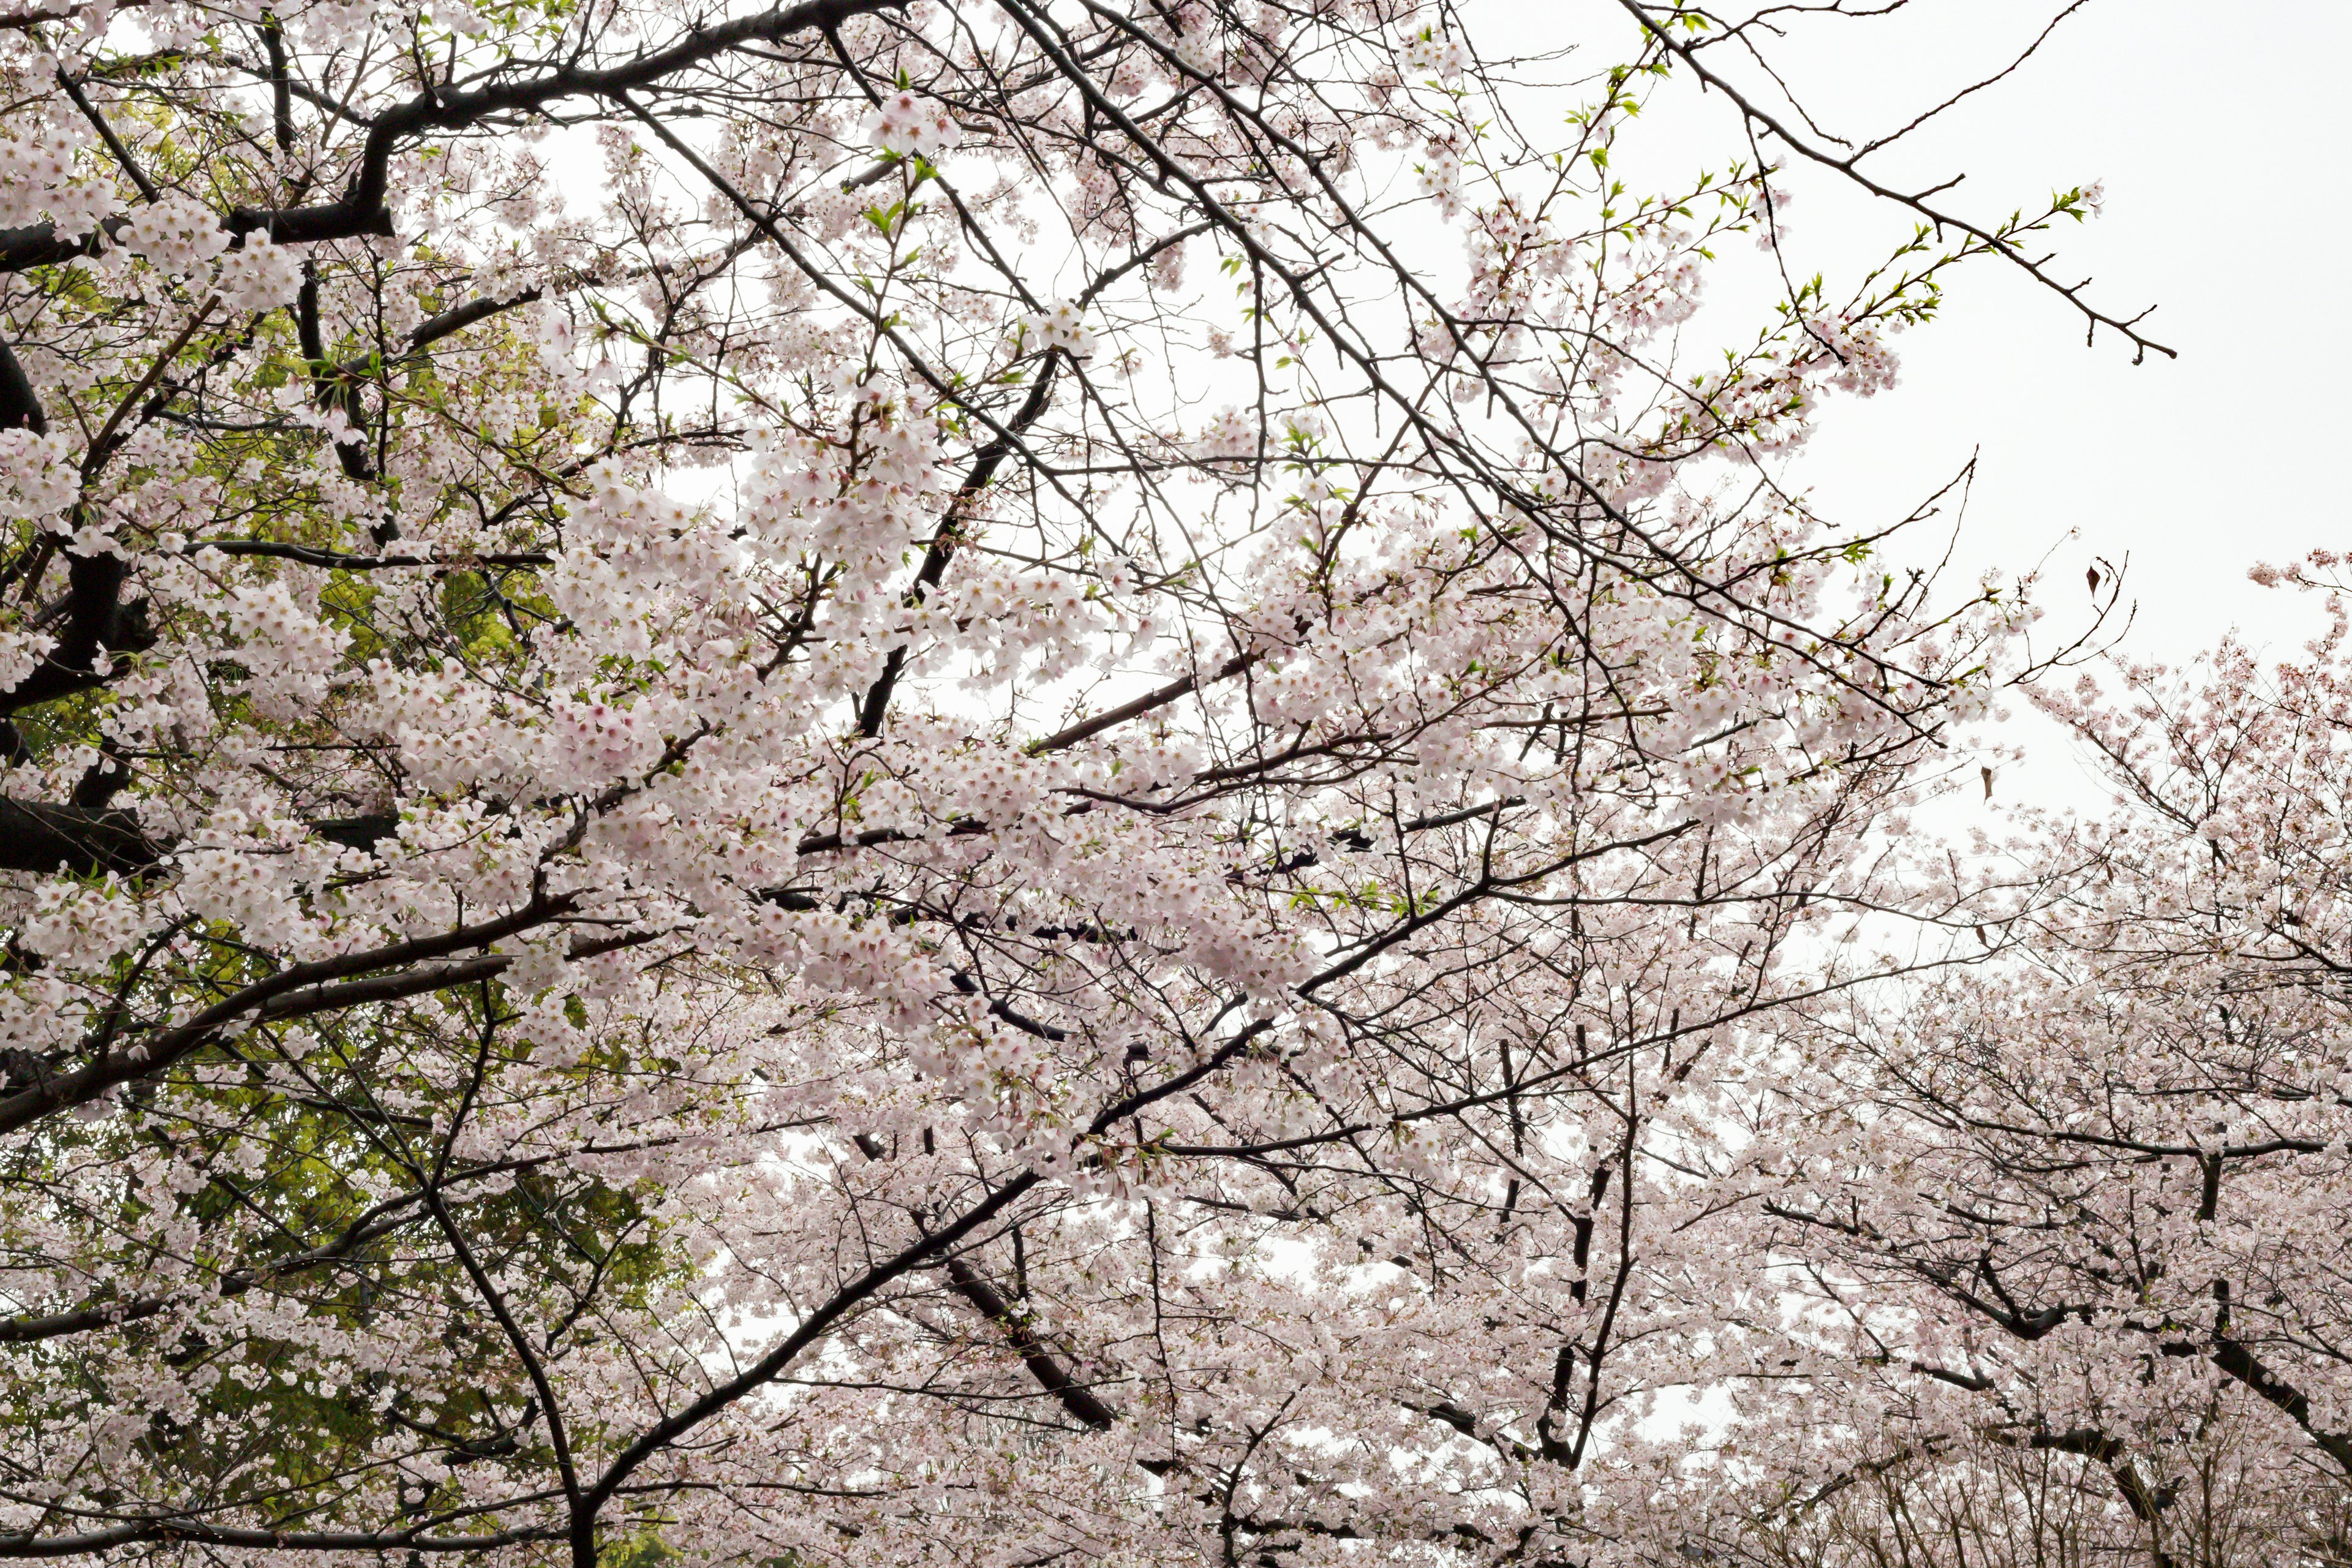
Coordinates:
[190,1532]
[1080,1401]
[96,618]
[106,133]
[1110,719]
[361,208]
[86,840]
[19,408]
[299,990]
[984,464]
[658,1437]
[2242,1366]
[37,836]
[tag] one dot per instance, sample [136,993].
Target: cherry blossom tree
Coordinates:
[2086,1198]
[909,781]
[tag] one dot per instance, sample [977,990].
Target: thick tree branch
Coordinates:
[1083,1404]
[361,209]
[37,836]
[299,990]
[976,480]
[190,1532]
[658,1438]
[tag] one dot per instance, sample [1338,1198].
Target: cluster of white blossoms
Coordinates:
[1190,46]
[1004,616]
[1441,177]
[82,928]
[39,179]
[38,476]
[258,275]
[1231,433]
[288,652]
[1866,363]
[1425,51]
[21,653]
[177,235]
[913,126]
[1061,325]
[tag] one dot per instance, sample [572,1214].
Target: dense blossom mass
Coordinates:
[974,781]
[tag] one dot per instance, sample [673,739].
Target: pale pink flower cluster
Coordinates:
[1427,52]
[38,180]
[290,654]
[1061,325]
[258,275]
[177,235]
[913,126]
[1441,177]
[1230,434]
[83,928]
[1866,365]
[38,476]
[21,653]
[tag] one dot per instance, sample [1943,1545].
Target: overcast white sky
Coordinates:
[2217,130]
